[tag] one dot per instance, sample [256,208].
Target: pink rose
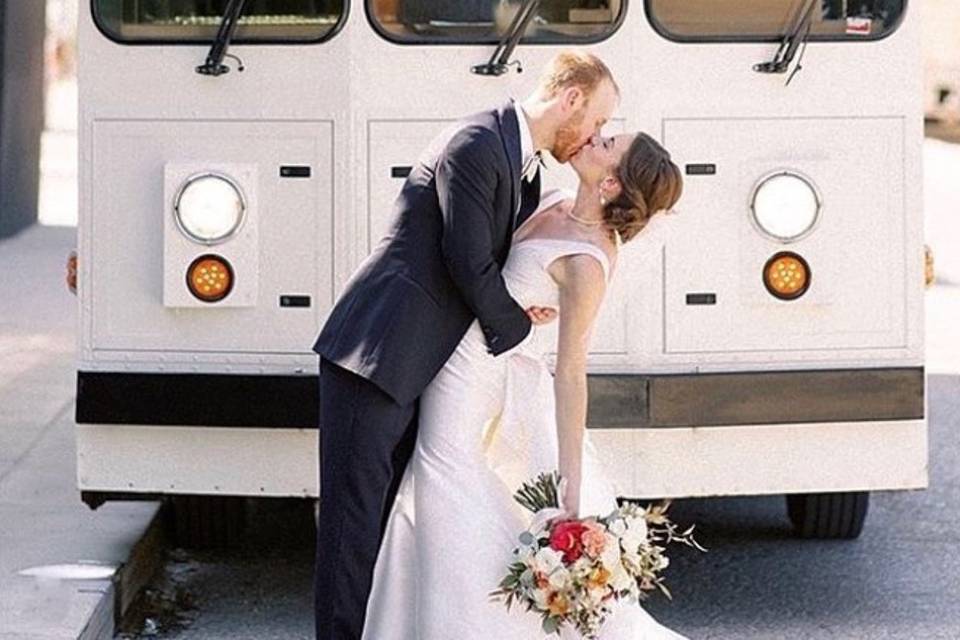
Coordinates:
[594,539]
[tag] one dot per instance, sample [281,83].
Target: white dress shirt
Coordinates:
[529,157]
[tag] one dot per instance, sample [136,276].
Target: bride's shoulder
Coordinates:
[551,197]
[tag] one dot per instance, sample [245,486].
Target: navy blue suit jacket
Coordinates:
[407,306]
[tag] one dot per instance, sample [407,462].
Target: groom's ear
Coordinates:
[572,99]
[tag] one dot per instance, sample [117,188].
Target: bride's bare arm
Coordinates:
[582,287]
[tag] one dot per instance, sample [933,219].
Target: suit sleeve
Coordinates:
[466,179]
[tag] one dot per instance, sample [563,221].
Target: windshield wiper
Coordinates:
[218,50]
[499,62]
[788,48]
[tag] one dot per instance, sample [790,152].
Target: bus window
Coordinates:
[485,21]
[189,21]
[742,20]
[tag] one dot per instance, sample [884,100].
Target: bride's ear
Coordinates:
[610,188]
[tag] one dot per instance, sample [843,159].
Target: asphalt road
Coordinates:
[900,579]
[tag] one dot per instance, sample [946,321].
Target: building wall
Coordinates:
[941,54]
[22,29]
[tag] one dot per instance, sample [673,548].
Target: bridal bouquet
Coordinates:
[575,571]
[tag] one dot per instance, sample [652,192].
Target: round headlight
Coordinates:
[786,275]
[785,206]
[210,278]
[209,208]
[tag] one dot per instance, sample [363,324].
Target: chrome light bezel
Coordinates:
[814,192]
[184,228]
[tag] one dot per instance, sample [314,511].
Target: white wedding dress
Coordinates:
[486,425]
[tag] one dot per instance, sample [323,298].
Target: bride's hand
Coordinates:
[564,516]
[541,315]
[572,508]
[570,503]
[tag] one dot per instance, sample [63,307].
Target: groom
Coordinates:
[407,306]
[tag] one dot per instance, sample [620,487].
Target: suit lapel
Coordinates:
[510,135]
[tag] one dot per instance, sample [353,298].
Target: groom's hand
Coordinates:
[541,315]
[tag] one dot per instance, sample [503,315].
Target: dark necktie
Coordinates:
[529,198]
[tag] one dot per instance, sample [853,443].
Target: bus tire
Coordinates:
[205,522]
[828,515]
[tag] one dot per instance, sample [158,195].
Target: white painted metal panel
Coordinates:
[771,459]
[202,460]
[642,463]
[857,251]
[392,144]
[130,216]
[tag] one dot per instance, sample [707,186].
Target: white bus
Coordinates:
[768,339]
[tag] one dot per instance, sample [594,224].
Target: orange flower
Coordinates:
[598,578]
[558,604]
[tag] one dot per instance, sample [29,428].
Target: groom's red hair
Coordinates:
[574,68]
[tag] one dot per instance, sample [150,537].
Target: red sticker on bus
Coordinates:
[860,26]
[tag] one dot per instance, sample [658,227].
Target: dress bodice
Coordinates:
[525,272]
[530,284]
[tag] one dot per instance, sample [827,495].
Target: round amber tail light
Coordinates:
[210,278]
[786,275]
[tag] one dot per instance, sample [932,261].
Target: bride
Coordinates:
[489,423]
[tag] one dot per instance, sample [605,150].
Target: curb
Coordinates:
[129,580]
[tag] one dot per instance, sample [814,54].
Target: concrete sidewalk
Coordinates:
[43,523]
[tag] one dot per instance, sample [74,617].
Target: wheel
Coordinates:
[828,515]
[205,522]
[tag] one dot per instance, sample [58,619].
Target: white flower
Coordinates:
[618,527]
[595,596]
[547,559]
[610,558]
[582,565]
[540,598]
[620,580]
[523,554]
[559,578]
[638,525]
[636,534]
[630,558]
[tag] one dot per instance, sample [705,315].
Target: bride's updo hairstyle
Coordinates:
[651,184]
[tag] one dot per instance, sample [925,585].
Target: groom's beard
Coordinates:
[567,142]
